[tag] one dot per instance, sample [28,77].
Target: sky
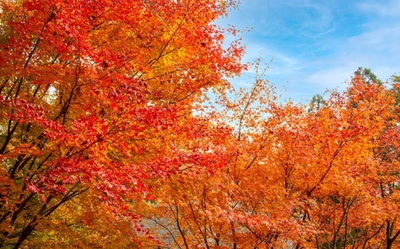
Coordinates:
[317,45]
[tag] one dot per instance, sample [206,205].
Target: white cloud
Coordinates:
[385,8]
[335,43]
[329,78]
[377,50]
[380,39]
[280,63]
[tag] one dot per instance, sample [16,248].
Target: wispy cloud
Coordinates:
[389,8]
[280,63]
[313,19]
[380,39]
[317,45]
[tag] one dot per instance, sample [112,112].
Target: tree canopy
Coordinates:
[108,138]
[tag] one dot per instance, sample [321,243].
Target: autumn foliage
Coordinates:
[297,177]
[107,139]
[95,99]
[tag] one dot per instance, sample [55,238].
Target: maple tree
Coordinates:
[106,139]
[94,96]
[325,178]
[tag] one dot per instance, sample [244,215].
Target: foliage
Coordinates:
[368,76]
[95,97]
[295,179]
[106,140]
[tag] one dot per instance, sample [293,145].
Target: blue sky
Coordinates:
[317,45]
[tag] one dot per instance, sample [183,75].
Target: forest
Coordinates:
[119,128]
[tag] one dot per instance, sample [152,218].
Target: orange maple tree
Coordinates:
[297,177]
[94,96]
[106,140]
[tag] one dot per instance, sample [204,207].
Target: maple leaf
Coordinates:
[95,98]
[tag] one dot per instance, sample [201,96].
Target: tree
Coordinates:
[105,139]
[396,80]
[94,96]
[317,102]
[294,179]
[368,76]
